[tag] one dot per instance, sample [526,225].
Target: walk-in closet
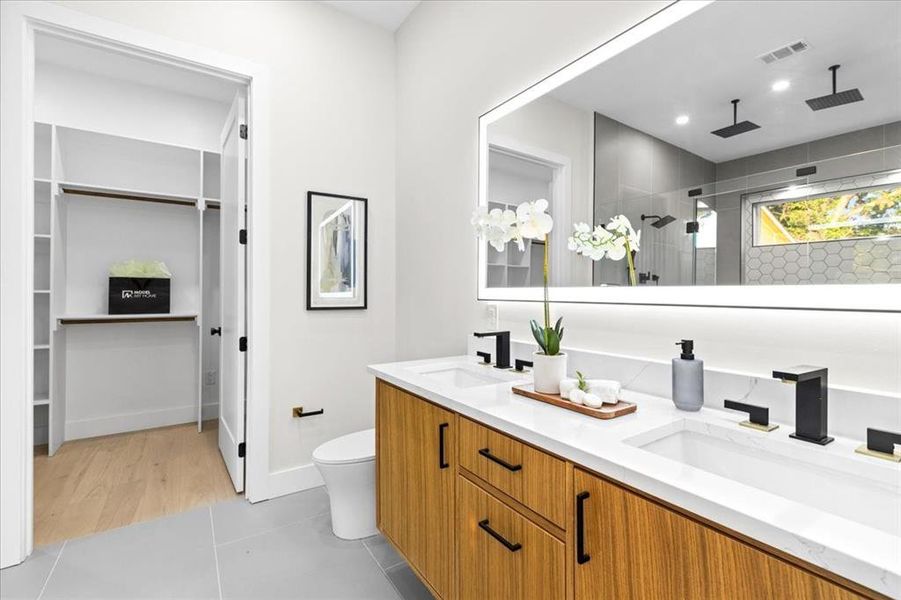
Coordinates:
[127,167]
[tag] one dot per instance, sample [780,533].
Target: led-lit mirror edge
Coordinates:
[844,297]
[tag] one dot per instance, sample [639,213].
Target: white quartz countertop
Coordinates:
[865,553]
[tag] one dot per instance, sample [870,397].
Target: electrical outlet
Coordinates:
[492,316]
[210,378]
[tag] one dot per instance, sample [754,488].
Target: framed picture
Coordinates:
[336,251]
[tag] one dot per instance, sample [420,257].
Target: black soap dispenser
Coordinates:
[688,379]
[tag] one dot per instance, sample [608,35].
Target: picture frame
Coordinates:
[337,257]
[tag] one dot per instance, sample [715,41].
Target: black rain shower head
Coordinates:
[836,98]
[660,222]
[736,127]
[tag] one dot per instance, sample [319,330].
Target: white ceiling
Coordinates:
[698,65]
[83,57]
[388,14]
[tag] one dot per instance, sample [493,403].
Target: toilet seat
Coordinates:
[352,448]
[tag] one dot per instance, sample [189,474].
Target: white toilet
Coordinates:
[347,465]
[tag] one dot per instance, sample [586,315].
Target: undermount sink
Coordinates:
[868,494]
[467,375]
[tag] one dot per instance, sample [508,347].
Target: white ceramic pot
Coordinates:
[548,372]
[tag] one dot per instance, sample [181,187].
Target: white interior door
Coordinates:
[232,363]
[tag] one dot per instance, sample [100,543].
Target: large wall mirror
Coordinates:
[756,147]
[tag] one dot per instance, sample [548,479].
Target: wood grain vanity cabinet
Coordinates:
[527,474]
[628,546]
[480,515]
[501,553]
[415,465]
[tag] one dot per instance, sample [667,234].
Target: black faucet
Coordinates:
[502,347]
[811,401]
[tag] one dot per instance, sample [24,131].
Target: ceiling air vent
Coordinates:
[784,52]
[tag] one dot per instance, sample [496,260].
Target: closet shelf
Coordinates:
[96,191]
[141,318]
[43,401]
[42,346]
[42,236]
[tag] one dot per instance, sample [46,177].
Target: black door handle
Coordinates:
[442,464]
[511,547]
[216,331]
[581,557]
[487,454]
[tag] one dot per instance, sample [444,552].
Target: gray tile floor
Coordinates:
[282,548]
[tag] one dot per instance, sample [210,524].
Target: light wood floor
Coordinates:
[102,483]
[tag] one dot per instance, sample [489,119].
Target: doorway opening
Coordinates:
[138,353]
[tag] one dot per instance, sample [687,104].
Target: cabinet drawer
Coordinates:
[501,554]
[530,476]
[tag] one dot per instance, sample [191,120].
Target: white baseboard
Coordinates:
[295,479]
[108,425]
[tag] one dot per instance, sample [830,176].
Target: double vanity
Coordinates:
[488,494]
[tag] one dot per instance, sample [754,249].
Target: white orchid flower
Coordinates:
[499,228]
[494,226]
[617,250]
[534,222]
[603,241]
[621,225]
[615,241]
[593,244]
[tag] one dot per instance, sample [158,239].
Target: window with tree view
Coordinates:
[861,213]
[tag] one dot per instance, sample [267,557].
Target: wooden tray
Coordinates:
[607,411]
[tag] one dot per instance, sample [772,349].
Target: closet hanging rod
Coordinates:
[123,195]
[115,319]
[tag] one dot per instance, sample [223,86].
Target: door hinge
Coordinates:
[242,344]
[242,237]
[242,131]
[242,450]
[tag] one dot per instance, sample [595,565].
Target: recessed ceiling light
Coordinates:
[781,85]
[682,120]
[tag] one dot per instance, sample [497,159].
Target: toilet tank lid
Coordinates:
[350,448]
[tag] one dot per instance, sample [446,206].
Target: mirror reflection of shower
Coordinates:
[649,277]
[659,222]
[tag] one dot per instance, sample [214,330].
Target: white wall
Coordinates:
[333,129]
[81,99]
[456,61]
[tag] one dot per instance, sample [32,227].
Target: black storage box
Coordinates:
[138,295]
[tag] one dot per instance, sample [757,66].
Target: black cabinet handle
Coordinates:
[442,464]
[487,454]
[511,547]
[215,331]
[581,557]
